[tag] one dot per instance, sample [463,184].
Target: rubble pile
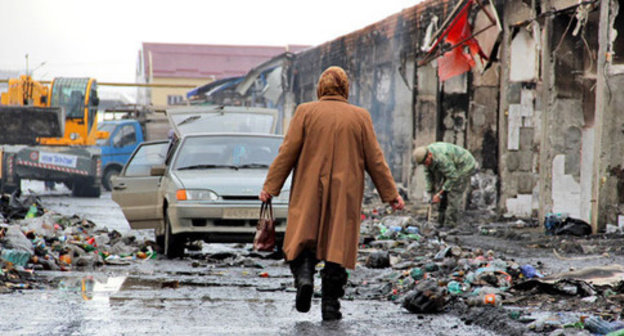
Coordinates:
[33,238]
[428,274]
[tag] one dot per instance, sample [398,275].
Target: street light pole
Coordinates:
[35,69]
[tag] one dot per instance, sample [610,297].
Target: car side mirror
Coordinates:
[158,170]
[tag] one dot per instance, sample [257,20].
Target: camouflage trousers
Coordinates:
[453,203]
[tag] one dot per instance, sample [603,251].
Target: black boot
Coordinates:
[302,269]
[330,309]
[334,279]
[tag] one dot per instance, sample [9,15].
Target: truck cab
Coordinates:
[124,136]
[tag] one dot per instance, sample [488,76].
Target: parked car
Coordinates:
[140,125]
[203,186]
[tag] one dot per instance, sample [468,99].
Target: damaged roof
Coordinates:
[406,24]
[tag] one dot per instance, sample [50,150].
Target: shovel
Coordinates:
[429,207]
[428,228]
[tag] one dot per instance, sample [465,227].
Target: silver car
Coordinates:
[202,185]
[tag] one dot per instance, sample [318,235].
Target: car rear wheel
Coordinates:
[174,244]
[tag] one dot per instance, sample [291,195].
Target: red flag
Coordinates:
[460,59]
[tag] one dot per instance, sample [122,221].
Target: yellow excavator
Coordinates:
[49,133]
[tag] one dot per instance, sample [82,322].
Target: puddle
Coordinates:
[91,287]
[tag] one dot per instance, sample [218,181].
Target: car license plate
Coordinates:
[241,213]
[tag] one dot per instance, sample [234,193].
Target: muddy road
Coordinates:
[247,295]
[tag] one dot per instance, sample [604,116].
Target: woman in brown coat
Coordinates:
[329,144]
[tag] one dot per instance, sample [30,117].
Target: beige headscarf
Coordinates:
[333,81]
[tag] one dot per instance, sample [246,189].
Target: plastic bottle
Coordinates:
[454,287]
[383,230]
[431,267]
[413,236]
[412,229]
[417,273]
[32,212]
[530,272]
[396,228]
[619,332]
[597,325]
[16,257]
[485,300]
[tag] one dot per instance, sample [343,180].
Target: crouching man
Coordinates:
[448,169]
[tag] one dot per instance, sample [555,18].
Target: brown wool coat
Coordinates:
[329,144]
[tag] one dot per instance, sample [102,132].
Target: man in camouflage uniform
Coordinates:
[448,168]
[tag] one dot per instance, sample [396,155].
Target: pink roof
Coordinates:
[207,60]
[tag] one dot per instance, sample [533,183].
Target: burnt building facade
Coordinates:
[537,102]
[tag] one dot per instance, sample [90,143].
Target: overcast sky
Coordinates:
[101,39]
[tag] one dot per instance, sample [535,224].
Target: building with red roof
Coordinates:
[180,67]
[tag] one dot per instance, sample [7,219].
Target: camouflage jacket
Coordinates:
[450,164]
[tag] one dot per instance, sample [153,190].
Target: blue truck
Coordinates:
[125,134]
[124,137]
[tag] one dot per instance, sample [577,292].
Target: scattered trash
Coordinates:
[427,297]
[530,272]
[417,273]
[485,300]
[170,284]
[597,325]
[33,238]
[16,257]
[379,259]
[561,224]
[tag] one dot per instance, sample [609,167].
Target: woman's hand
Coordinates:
[264,196]
[397,203]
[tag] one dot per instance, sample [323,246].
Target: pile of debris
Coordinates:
[426,274]
[32,238]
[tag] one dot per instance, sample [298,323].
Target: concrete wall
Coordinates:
[608,178]
[547,111]
[372,61]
